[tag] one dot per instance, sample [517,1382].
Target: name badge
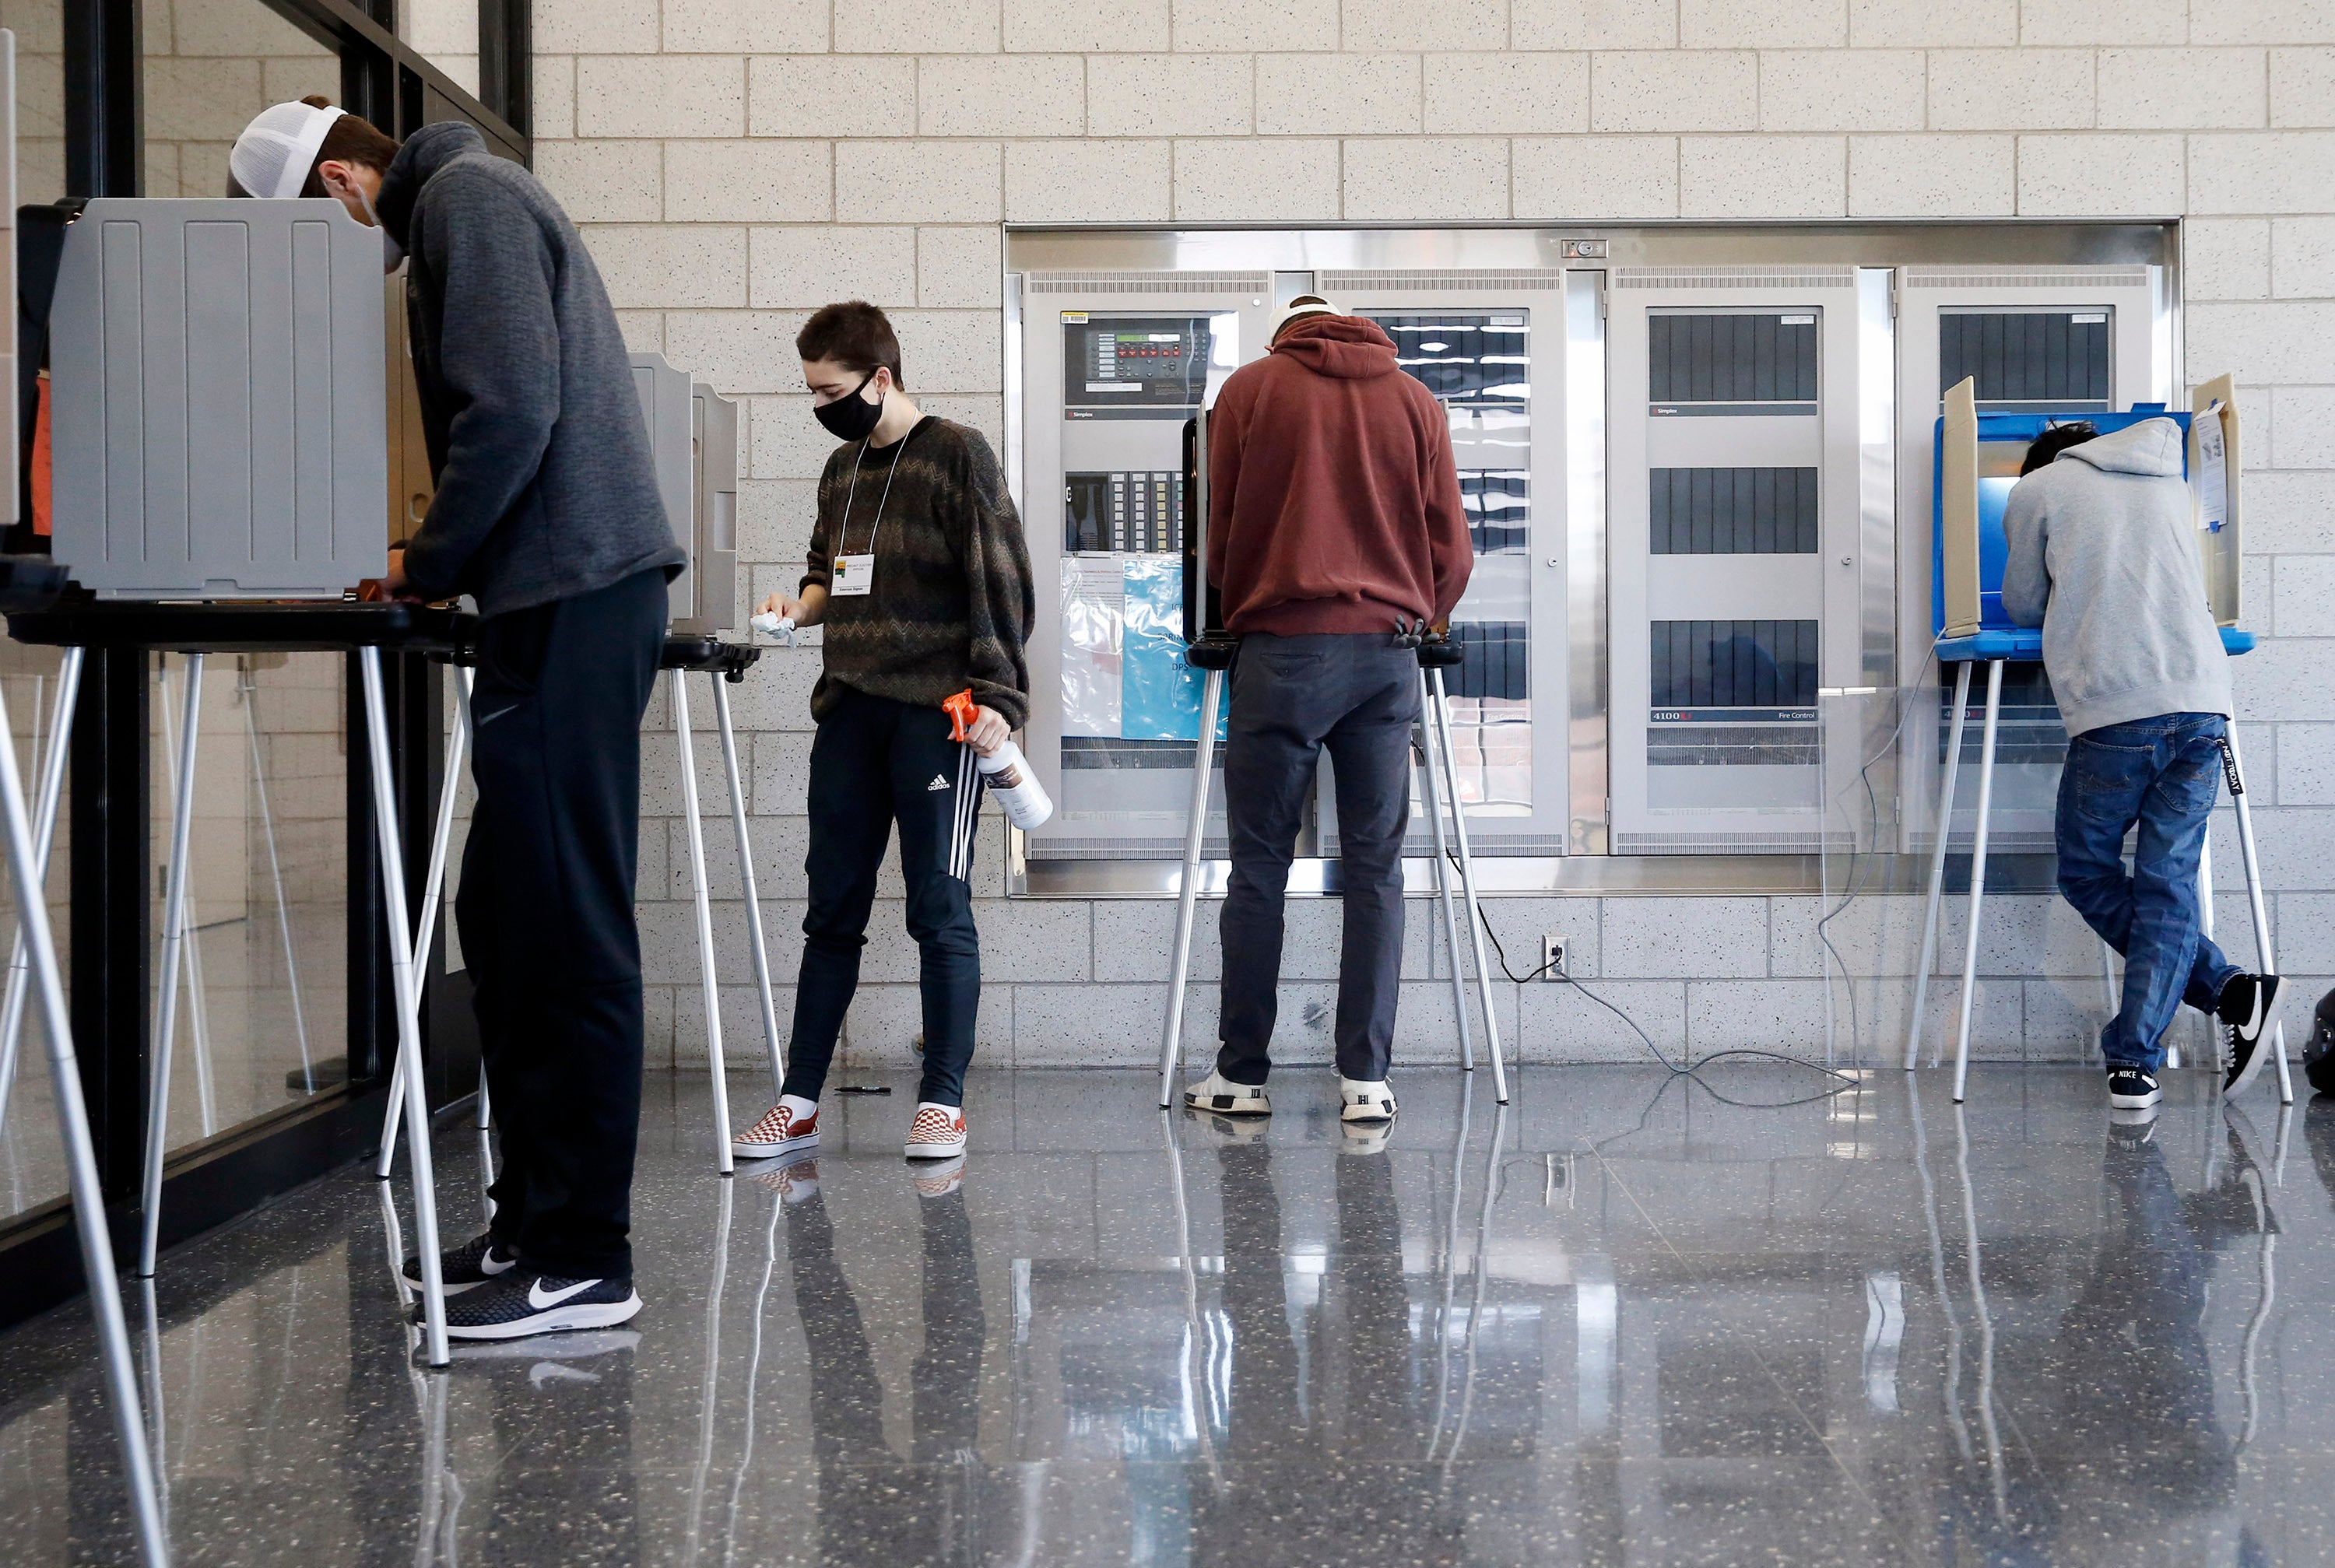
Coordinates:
[852,575]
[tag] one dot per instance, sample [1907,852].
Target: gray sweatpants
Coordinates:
[1357,696]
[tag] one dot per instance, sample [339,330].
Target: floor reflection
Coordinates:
[1625,1320]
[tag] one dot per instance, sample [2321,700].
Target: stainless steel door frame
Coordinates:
[1539,297]
[1823,433]
[1037,467]
[2139,345]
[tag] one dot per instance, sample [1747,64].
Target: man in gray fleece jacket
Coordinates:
[547,513]
[2103,555]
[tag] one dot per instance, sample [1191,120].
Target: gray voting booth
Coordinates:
[693,436]
[220,417]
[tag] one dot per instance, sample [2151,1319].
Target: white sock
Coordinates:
[800,1107]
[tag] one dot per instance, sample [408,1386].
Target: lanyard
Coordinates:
[843,529]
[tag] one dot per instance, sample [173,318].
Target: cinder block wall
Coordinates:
[738,162]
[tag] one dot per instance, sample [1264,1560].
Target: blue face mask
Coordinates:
[391,253]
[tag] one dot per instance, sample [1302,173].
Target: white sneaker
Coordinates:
[1360,1101]
[1221,1095]
[937,1133]
[792,1124]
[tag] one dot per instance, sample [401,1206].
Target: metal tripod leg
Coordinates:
[174,936]
[433,888]
[24,861]
[45,825]
[1938,864]
[770,1035]
[1439,709]
[190,966]
[406,987]
[1977,874]
[1187,894]
[250,693]
[721,1161]
[1428,769]
[2254,901]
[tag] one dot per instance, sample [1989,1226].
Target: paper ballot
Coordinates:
[2216,461]
[2212,472]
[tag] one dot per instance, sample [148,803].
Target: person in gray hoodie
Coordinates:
[2103,555]
[547,513]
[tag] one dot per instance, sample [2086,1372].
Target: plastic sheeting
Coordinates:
[1160,693]
[1123,672]
[1094,593]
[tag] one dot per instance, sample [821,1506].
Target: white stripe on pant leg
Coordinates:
[974,785]
[960,828]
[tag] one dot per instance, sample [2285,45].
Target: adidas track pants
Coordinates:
[877,762]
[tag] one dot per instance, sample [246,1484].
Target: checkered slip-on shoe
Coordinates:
[937,1133]
[1220,1095]
[783,1130]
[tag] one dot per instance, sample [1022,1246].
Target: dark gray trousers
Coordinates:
[1357,696]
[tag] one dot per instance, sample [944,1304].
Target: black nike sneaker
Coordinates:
[477,1261]
[2249,1008]
[2130,1089]
[521,1303]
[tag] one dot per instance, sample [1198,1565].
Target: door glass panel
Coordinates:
[1478,365]
[31,1162]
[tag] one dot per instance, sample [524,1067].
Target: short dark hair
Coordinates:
[350,140]
[2056,439]
[853,334]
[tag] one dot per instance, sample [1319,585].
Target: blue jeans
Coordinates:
[2164,773]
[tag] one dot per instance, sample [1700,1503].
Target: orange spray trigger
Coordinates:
[961,712]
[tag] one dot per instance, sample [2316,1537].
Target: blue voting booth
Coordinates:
[1975,466]
[1996,638]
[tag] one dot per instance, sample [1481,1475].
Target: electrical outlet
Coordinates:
[1552,955]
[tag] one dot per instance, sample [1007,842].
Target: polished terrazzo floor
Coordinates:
[1760,1317]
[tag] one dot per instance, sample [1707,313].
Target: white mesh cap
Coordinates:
[276,151]
[1304,305]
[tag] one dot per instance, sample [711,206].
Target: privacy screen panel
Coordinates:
[1734,664]
[1732,359]
[1732,511]
[2041,356]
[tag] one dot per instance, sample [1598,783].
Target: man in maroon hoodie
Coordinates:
[1335,524]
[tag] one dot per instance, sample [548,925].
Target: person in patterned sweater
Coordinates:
[919,574]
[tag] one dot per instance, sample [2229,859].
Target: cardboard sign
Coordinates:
[1958,509]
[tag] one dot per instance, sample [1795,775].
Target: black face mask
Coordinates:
[850,418]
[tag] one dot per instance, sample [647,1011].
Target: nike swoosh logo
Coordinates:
[488,1267]
[494,715]
[539,1298]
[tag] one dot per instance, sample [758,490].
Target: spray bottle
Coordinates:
[1006,772]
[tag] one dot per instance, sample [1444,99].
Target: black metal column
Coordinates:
[104,101]
[111,920]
